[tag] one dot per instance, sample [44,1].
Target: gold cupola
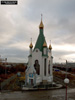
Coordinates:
[41,23]
[50,47]
[31,45]
[44,45]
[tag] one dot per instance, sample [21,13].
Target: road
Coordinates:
[64,72]
[58,94]
[61,81]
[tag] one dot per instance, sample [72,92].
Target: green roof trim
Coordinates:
[44,47]
[52,57]
[30,56]
[40,41]
[45,55]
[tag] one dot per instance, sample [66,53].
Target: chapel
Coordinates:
[40,61]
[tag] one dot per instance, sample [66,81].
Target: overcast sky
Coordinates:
[19,23]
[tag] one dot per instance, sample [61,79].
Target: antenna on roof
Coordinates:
[50,41]
[31,39]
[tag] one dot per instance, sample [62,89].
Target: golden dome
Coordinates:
[50,47]
[31,45]
[41,25]
[45,45]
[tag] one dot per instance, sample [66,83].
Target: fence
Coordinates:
[7,81]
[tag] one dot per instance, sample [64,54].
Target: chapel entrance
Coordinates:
[37,67]
[31,81]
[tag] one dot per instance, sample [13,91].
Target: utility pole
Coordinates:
[66,80]
[5,66]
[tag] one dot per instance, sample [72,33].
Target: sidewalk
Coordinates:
[58,86]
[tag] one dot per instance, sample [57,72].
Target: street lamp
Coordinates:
[66,81]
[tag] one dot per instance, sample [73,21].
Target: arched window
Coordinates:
[37,67]
[45,66]
[49,67]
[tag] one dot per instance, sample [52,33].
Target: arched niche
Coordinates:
[37,67]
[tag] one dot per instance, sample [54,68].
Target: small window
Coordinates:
[36,50]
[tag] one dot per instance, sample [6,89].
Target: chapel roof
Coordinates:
[40,40]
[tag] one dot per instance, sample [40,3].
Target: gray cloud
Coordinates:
[14,54]
[19,23]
